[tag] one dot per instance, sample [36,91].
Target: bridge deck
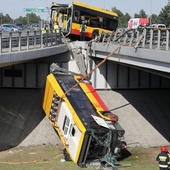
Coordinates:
[24,46]
[145,49]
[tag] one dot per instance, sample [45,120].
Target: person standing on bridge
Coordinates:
[163,158]
[82,31]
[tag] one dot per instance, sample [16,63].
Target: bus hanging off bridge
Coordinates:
[71,17]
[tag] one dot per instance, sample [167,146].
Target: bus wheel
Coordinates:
[95,34]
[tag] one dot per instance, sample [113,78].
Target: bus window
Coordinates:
[76,16]
[104,23]
[111,24]
[82,18]
[66,125]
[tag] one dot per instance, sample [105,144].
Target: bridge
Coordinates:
[133,59]
[146,50]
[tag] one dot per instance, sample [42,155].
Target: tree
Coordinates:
[126,19]
[141,14]
[20,20]
[7,19]
[123,19]
[1,18]
[32,18]
[164,16]
[154,19]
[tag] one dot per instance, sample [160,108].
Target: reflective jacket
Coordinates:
[43,30]
[56,28]
[163,160]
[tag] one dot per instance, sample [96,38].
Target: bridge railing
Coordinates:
[28,40]
[142,37]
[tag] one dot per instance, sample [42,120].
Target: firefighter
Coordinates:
[163,158]
[82,31]
[43,29]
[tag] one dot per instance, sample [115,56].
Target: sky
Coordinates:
[15,8]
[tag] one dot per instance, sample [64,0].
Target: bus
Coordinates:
[84,124]
[96,19]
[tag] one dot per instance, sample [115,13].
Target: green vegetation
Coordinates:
[142,159]
[163,17]
[51,158]
[28,19]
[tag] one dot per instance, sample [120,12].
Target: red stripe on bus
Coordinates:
[77,32]
[97,97]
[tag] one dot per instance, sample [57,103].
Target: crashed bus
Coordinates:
[86,127]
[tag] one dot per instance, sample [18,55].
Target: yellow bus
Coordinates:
[86,127]
[96,19]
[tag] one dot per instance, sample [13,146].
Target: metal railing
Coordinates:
[142,37]
[28,40]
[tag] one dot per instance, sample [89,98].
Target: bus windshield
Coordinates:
[70,18]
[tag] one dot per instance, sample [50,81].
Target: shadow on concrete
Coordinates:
[153,105]
[20,113]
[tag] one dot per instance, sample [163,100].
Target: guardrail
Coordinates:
[142,37]
[28,40]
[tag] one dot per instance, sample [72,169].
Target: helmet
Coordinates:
[164,149]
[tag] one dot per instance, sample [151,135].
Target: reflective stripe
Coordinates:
[163,161]
[56,27]
[163,158]
[163,166]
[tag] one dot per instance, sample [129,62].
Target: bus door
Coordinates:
[69,19]
[69,130]
[62,20]
[74,140]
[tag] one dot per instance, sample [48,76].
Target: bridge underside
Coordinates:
[110,75]
[113,75]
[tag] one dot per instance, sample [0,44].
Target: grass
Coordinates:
[142,159]
[51,158]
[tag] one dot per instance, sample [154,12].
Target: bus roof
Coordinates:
[94,8]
